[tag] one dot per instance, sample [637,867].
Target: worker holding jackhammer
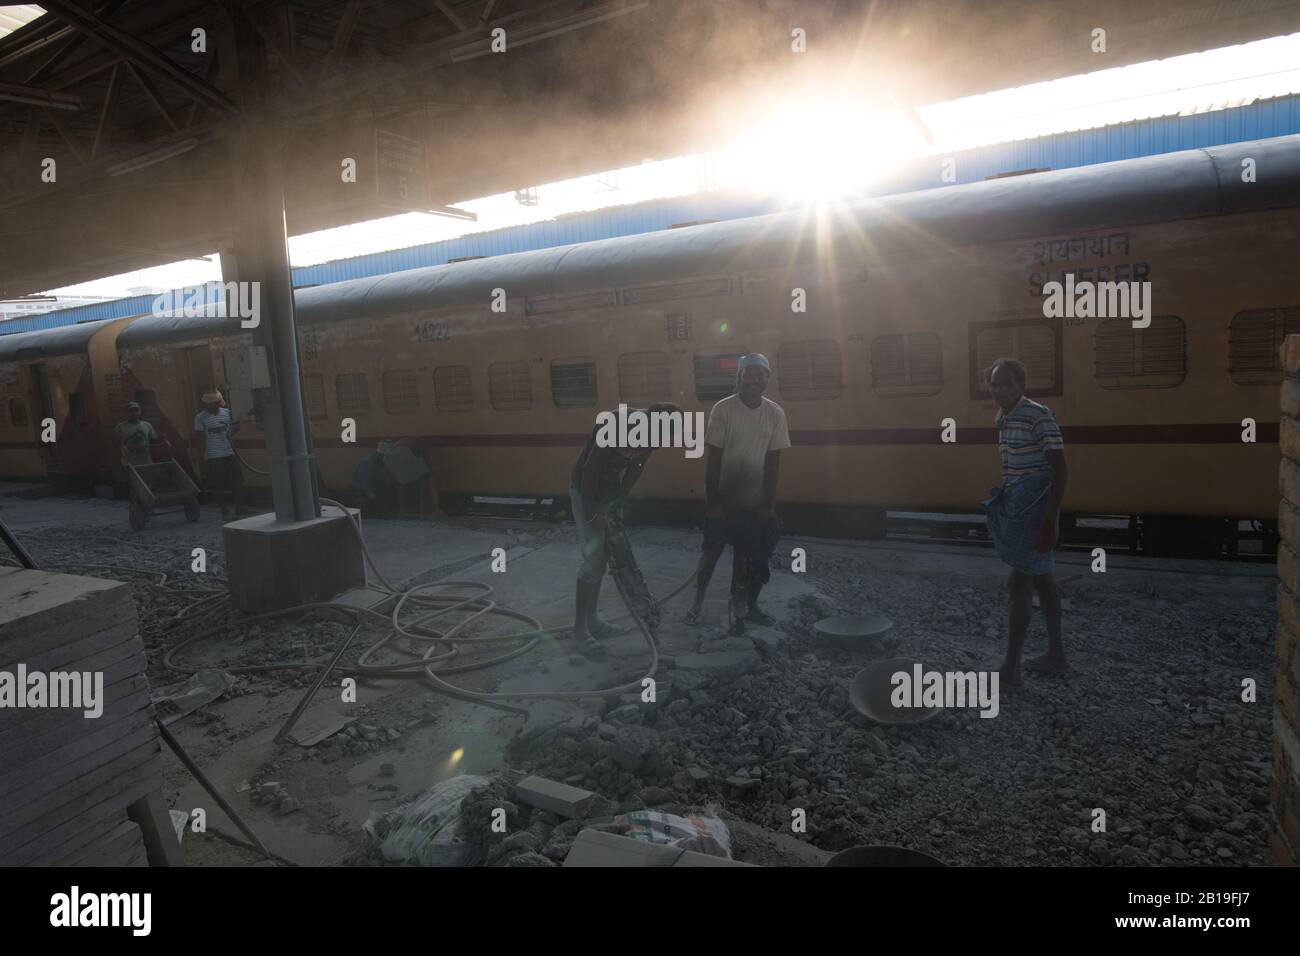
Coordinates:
[600,482]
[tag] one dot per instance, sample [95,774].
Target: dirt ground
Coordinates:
[1149,727]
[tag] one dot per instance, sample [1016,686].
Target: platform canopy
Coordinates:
[135,101]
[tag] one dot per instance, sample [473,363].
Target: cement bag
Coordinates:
[425,832]
[702,833]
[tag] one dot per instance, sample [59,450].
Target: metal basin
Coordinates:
[854,630]
[871,689]
[882,856]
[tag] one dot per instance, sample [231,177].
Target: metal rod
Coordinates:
[132,48]
[16,547]
[207,785]
[316,685]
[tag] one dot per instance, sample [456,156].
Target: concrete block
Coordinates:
[559,798]
[596,848]
[272,565]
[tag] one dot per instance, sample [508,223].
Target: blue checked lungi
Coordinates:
[1015,512]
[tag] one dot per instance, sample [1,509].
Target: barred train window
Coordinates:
[452,389]
[643,378]
[18,412]
[352,393]
[809,370]
[401,394]
[908,364]
[1154,357]
[1032,343]
[715,374]
[510,386]
[573,382]
[315,389]
[1254,337]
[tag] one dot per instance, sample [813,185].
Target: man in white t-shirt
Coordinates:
[220,463]
[745,437]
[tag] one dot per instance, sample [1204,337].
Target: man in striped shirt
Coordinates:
[1023,514]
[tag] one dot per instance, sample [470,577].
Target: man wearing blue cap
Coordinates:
[745,437]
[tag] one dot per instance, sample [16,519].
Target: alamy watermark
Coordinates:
[239,299]
[76,909]
[641,428]
[73,689]
[946,689]
[1098,300]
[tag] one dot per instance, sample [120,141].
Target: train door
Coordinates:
[195,365]
[45,405]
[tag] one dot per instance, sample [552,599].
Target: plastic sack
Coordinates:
[425,832]
[701,833]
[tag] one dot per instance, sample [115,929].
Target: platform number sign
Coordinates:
[400,178]
[679,327]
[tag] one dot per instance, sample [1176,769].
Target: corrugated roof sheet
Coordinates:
[1263,119]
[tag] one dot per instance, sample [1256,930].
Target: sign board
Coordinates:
[400,175]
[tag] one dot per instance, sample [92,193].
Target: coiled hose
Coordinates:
[434,648]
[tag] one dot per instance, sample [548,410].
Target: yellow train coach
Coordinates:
[879,318]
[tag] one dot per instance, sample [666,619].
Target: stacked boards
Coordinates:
[82,766]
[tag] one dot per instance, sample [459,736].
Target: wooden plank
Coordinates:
[25,593]
[34,786]
[38,774]
[136,775]
[113,844]
[160,843]
[22,720]
[46,737]
[23,644]
[43,653]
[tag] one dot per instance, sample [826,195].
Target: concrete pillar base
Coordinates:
[274,565]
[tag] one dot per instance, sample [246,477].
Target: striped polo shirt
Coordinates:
[1025,435]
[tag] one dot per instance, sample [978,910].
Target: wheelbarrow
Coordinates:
[159,485]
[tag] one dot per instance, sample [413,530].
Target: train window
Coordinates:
[573,382]
[809,370]
[908,364]
[18,412]
[1254,338]
[147,399]
[510,386]
[1154,357]
[351,392]
[3,417]
[715,374]
[1036,342]
[314,386]
[452,389]
[401,394]
[643,378]
[77,410]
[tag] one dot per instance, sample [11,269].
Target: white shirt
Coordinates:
[745,436]
[216,432]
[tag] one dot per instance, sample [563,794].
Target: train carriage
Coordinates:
[67,375]
[879,317]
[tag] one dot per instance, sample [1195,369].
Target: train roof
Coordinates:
[50,343]
[1172,186]
[1184,185]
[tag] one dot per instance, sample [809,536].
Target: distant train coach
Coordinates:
[880,318]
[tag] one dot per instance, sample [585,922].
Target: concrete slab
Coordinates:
[597,848]
[571,803]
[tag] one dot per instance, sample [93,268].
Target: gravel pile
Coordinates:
[1150,727]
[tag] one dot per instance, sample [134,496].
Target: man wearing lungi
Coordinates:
[1023,514]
